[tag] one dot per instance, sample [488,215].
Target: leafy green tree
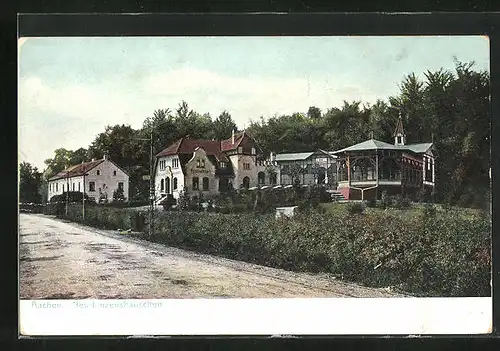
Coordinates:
[61,160]
[223,126]
[118,195]
[295,171]
[314,112]
[29,183]
[271,172]
[78,156]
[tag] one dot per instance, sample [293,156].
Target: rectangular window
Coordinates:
[98,172]
[57,186]
[196,183]
[120,185]
[198,163]
[91,186]
[205,183]
[253,151]
[223,165]
[63,188]
[78,186]
[246,166]
[175,163]
[428,164]
[73,186]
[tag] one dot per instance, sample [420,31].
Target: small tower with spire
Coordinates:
[399,133]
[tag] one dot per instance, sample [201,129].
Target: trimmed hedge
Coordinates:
[31,207]
[441,255]
[426,252]
[100,216]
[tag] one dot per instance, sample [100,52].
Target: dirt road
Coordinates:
[67,260]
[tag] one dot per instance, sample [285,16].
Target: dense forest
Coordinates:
[450,108]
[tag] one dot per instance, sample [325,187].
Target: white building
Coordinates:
[208,166]
[97,179]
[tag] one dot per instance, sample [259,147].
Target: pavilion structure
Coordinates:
[367,169]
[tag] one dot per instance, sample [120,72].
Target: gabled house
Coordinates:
[98,179]
[209,166]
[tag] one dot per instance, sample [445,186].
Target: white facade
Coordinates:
[100,181]
[57,187]
[169,170]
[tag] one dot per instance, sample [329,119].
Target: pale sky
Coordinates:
[71,88]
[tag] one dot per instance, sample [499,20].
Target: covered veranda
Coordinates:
[365,171]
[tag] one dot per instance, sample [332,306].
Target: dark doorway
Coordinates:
[246,182]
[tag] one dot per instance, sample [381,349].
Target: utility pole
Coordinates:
[151,186]
[151,179]
[83,199]
[67,192]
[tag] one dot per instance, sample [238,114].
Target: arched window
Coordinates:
[98,172]
[196,183]
[321,174]
[175,184]
[262,178]
[167,185]
[114,173]
[162,185]
[205,183]
[246,182]
[274,179]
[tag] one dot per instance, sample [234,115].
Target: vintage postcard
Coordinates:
[220,179]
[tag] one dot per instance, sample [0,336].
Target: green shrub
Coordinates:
[405,202]
[446,253]
[385,200]
[356,207]
[429,210]
[371,202]
[118,196]
[168,202]
[446,206]
[184,201]
[401,202]
[71,196]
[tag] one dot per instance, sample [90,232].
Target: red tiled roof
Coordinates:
[188,146]
[228,144]
[77,170]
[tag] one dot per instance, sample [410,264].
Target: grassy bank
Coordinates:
[428,253]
